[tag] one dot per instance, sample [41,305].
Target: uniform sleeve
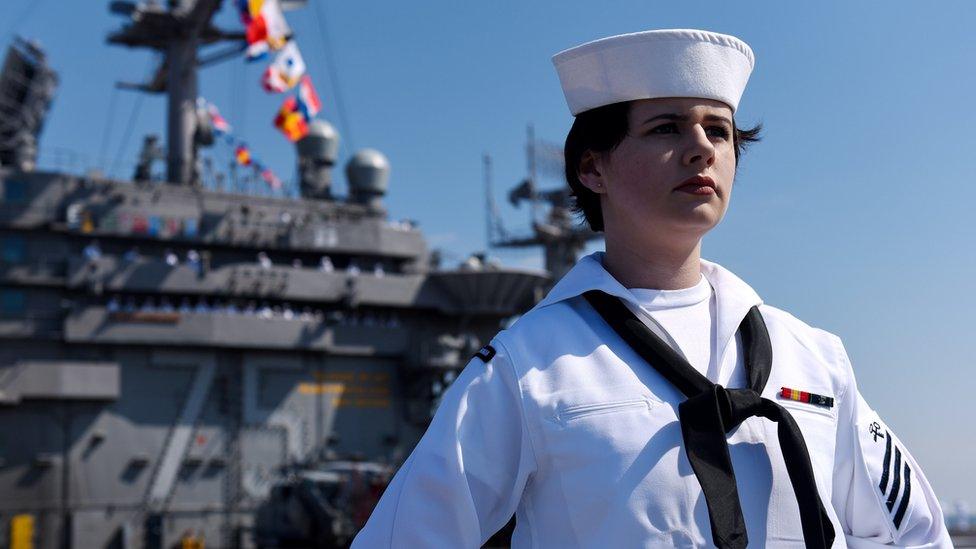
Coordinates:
[465,478]
[880,493]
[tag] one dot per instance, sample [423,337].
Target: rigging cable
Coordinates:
[132,119]
[128,133]
[333,73]
[242,101]
[234,83]
[102,159]
[233,112]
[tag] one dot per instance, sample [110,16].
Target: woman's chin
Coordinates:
[682,224]
[701,219]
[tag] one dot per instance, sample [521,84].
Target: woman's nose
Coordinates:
[700,150]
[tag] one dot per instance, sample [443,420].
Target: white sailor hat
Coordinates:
[650,64]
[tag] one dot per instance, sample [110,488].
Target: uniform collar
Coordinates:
[588,274]
[733,297]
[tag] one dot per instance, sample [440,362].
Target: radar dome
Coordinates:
[368,171]
[321,143]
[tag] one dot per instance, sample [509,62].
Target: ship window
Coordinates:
[14,190]
[12,302]
[13,249]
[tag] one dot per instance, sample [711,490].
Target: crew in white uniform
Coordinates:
[652,399]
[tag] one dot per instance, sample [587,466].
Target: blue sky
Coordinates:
[855,213]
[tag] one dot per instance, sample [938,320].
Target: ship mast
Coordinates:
[178,31]
[561,238]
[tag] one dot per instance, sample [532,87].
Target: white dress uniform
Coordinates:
[560,422]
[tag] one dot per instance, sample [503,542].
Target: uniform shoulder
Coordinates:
[539,318]
[825,348]
[541,333]
[824,343]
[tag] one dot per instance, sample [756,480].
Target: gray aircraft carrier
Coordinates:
[182,367]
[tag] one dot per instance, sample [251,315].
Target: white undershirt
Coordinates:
[688,317]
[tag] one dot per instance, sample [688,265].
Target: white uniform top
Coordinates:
[687,316]
[563,424]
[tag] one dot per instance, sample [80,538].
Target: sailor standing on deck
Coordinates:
[652,399]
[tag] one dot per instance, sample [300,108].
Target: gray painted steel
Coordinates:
[140,399]
[59,379]
[175,360]
[368,172]
[27,86]
[133,388]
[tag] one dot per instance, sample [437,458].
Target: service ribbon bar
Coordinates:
[803,396]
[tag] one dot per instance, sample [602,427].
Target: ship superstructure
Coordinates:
[172,359]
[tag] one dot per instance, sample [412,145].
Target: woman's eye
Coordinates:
[664,128]
[718,131]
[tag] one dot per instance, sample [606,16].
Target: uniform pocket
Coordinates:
[603,449]
[819,428]
[577,411]
[804,408]
[818,425]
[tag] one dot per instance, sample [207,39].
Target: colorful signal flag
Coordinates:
[243,155]
[291,121]
[308,100]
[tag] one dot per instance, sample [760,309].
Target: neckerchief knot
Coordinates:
[712,411]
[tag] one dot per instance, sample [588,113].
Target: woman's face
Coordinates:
[671,176]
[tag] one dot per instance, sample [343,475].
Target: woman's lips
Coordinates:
[700,185]
[696,189]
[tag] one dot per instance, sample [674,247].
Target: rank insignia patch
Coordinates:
[486,353]
[890,468]
[803,396]
[901,480]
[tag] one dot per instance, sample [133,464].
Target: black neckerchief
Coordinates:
[711,411]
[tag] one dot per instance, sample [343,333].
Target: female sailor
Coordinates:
[652,399]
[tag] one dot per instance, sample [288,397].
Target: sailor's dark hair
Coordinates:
[600,130]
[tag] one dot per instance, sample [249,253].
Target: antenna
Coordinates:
[177,32]
[562,240]
[489,199]
[530,155]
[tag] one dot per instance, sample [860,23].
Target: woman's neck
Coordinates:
[653,266]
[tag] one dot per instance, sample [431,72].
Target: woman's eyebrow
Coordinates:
[668,116]
[685,118]
[717,118]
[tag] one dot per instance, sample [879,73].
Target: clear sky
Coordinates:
[855,213]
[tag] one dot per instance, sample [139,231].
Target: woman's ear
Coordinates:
[590,172]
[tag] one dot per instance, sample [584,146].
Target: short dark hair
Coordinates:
[600,130]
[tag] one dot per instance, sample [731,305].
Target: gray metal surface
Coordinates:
[27,86]
[317,154]
[322,142]
[178,440]
[127,417]
[176,361]
[58,379]
[368,172]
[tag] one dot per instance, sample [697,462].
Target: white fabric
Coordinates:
[650,64]
[567,428]
[286,70]
[686,320]
[686,315]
